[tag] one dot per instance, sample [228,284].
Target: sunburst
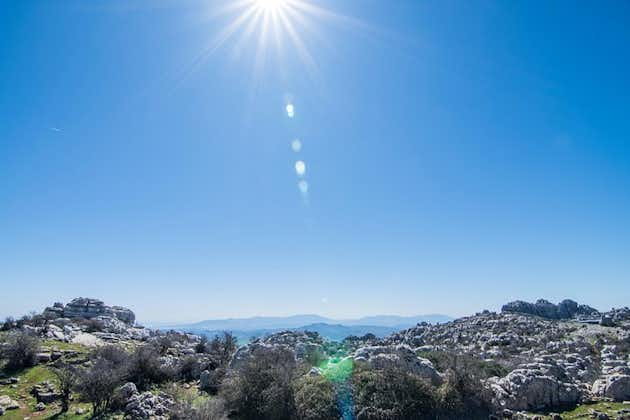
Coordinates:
[272,24]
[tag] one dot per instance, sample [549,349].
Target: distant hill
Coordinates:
[332,329]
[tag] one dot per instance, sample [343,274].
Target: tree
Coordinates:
[21,350]
[98,383]
[67,377]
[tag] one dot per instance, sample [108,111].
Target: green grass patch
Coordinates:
[582,411]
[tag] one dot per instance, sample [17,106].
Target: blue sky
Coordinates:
[458,155]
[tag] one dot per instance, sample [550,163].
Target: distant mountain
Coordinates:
[398,321]
[256,323]
[338,332]
[332,329]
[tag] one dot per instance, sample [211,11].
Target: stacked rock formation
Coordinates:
[88,309]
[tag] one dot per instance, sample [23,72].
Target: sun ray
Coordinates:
[301,49]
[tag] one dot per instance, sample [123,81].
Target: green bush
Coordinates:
[261,389]
[315,398]
[392,394]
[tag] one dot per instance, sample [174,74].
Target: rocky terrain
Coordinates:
[529,360]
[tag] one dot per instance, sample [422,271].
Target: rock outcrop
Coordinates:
[533,388]
[145,405]
[566,309]
[87,308]
[401,357]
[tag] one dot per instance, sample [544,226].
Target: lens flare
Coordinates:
[296,145]
[300,168]
[303,187]
[290,111]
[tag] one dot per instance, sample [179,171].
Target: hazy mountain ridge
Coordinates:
[298,321]
[333,329]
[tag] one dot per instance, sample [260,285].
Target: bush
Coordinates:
[212,409]
[463,395]
[202,345]
[145,368]
[21,349]
[445,361]
[261,389]
[392,394]
[9,324]
[98,383]
[315,399]
[67,378]
[222,348]
[214,380]
[189,369]
[115,354]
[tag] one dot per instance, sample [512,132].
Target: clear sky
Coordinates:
[458,154]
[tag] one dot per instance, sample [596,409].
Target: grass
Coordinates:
[582,411]
[62,346]
[21,394]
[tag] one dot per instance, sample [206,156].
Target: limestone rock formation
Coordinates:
[532,389]
[89,309]
[566,309]
[400,356]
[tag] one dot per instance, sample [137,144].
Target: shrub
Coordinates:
[98,383]
[463,393]
[9,324]
[115,354]
[222,348]
[392,394]
[67,378]
[189,369]
[212,409]
[315,399]
[163,342]
[146,369]
[202,345]
[444,361]
[21,349]
[214,380]
[261,389]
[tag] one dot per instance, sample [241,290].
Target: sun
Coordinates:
[273,26]
[270,5]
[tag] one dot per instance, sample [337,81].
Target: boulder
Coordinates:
[531,390]
[204,380]
[401,357]
[149,406]
[128,390]
[7,403]
[617,387]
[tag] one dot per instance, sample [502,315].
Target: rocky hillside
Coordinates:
[530,358]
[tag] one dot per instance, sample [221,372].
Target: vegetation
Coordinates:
[97,384]
[67,379]
[392,394]
[20,350]
[315,398]
[262,387]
